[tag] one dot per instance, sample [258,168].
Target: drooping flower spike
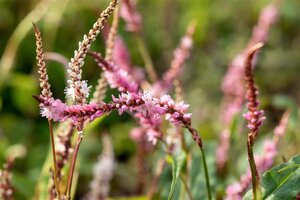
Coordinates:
[141,103]
[116,77]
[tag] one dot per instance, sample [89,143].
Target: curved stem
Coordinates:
[73,162]
[54,159]
[186,187]
[146,57]
[206,174]
[254,174]
[198,140]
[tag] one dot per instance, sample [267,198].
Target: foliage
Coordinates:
[282,181]
[222,31]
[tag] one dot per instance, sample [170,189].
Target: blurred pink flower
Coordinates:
[131,16]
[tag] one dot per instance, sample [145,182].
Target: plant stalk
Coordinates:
[198,140]
[73,162]
[186,187]
[257,194]
[206,174]
[54,158]
[146,57]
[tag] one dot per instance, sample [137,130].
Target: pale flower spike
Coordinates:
[84,89]
[44,79]
[79,55]
[103,171]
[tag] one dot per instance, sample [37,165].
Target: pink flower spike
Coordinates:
[153,136]
[187,116]
[136,134]
[54,110]
[131,16]
[116,77]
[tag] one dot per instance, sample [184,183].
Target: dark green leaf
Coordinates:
[281,182]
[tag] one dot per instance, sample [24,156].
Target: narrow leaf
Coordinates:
[177,164]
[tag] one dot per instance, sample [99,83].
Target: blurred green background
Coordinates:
[223,30]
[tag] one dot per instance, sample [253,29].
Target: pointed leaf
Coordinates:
[177,162]
[281,182]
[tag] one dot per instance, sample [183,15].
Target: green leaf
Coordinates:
[177,164]
[196,175]
[281,182]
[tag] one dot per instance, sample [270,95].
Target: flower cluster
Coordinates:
[117,78]
[6,189]
[84,89]
[118,72]
[143,103]
[253,116]
[236,190]
[100,89]
[147,109]
[122,60]
[44,79]
[131,16]
[222,150]
[53,109]
[102,171]
[181,53]
[267,17]
[232,85]
[78,89]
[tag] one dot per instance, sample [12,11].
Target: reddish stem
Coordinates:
[73,162]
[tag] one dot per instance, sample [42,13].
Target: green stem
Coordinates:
[206,174]
[146,57]
[198,140]
[257,195]
[186,187]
